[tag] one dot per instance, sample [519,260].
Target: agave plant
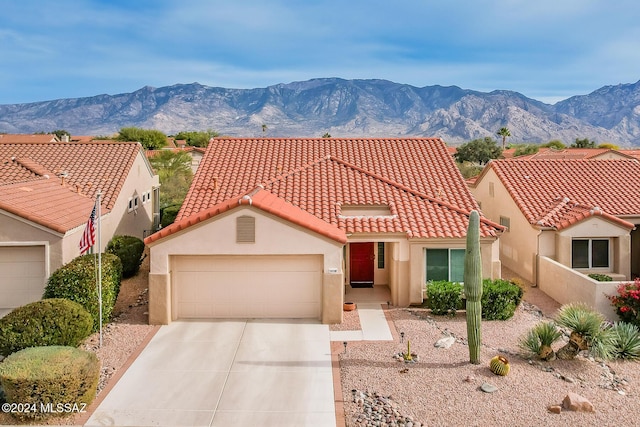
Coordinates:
[539,339]
[626,340]
[587,331]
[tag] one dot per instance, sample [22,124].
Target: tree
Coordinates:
[478,151]
[326,135]
[583,143]
[149,138]
[174,172]
[504,133]
[525,150]
[609,146]
[264,128]
[197,139]
[554,143]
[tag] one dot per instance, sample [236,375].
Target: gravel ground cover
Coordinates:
[443,388]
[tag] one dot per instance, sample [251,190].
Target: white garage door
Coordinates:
[247,286]
[22,275]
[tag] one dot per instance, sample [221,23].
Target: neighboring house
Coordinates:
[578,215]
[579,153]
[279,227]
[47,192]
[28,138]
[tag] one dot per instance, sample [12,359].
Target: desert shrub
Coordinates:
[129,249]
[600,277]
[627,302]
[444,297]
[169,214]
[500,298]
[76,281]
[539,339]
[625,341]
[52,375]
[54,321]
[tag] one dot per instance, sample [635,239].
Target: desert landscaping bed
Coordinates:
[443,388]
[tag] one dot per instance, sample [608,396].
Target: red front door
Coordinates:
[361,263]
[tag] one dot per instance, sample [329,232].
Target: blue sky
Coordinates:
[547,50]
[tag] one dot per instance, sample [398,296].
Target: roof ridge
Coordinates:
[32,166]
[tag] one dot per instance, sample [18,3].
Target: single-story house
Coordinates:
[564,217]
[279,227]
[47,192]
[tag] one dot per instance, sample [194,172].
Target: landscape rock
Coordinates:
[555,409]
[445,342]
[575,402]
[488,388]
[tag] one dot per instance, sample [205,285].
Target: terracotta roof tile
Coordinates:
[557,193]
[47,202]
[89,166]
[415,177]
[29,138]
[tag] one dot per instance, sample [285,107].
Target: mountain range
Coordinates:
[342,108]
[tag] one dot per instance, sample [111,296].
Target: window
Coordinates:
[245,229]
[505,222]
[381,255]
[445,264]
[590,253]
[133,203]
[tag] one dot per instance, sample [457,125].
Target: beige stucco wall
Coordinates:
[566,285]
[122,222]
[518,245]
[14,230]
[489,252]
[217,236]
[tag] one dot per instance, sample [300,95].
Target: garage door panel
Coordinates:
[248,287]
[22,275]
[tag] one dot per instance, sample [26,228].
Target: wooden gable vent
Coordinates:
[245,229]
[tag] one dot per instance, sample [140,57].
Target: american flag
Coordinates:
[89,235]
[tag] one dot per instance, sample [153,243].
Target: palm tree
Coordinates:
[504,133]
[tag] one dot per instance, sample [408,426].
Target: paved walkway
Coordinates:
[227,373]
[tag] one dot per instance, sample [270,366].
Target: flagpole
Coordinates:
[99,263]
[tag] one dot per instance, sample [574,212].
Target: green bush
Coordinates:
[76,281]
[54,321]
[129,249]
[601,277]
[56,375]
[500,298]
[168,215]
[444,297]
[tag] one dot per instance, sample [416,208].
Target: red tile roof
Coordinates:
[54,184]
[558,193]
[34,138]
[47,202]
[575,153]
[89,166]
[416,177]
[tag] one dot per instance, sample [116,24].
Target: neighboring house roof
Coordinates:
[558,193]
[576,153]
[47,202]
[635,153]
[415,177]
[54,184]
[86,167]
[188,149]
[44,138]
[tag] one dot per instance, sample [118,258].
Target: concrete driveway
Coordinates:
[227,373]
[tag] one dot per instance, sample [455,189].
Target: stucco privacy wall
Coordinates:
[217,236]
[566,285]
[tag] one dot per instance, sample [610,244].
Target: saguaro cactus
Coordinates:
[473,287]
